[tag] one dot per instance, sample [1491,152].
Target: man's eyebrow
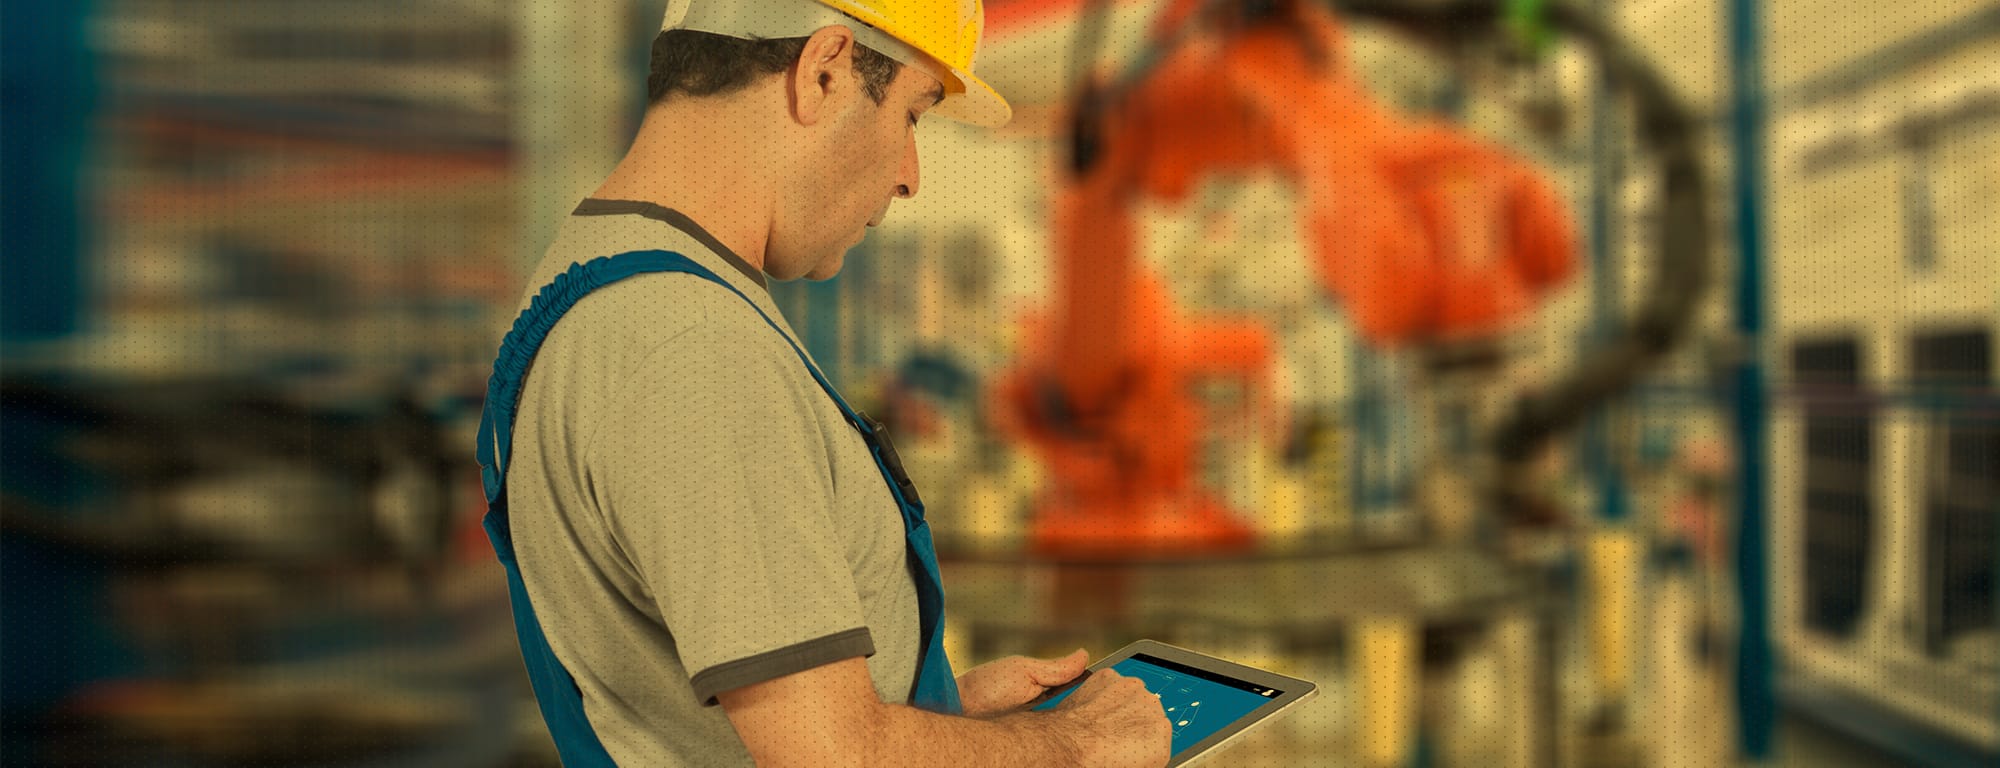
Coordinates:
[937,94]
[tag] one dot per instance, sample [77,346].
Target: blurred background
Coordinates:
[1580,383]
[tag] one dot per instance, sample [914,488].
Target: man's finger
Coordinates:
[1055,671]
[1070,664]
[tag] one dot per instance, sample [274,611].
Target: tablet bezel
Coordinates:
[1295,691]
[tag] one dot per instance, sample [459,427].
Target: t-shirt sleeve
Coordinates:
[719,490]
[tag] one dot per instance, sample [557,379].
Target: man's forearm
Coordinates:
[907,736]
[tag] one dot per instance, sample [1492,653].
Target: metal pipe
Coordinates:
[1681,261]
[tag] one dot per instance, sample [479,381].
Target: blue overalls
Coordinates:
[555,690]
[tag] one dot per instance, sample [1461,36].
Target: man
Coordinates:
[713,560]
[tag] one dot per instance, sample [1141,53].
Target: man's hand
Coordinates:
[998,687]
[1119,723]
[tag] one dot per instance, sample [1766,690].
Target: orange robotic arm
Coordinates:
[1421,231]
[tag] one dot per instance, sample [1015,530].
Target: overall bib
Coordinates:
[555,690]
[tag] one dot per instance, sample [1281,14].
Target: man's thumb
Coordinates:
[1061,670]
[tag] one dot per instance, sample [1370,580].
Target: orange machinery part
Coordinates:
[1423,232]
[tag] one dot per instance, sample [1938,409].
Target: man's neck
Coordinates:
[691,156]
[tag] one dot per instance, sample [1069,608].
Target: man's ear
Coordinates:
[824,72]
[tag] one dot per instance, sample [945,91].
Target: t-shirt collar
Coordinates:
[599,207]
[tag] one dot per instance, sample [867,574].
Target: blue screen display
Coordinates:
[1197,703]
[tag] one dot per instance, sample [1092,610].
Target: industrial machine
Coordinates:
[1434,242]
[1428,236]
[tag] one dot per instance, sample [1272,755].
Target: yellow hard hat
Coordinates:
[939,36]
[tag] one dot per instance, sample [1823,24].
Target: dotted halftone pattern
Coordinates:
[252,536]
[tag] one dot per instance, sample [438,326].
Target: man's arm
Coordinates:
[831,715]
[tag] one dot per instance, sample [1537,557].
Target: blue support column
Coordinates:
[857,279]
[823,320]
[1606,295]
[48,97]
[1756,698]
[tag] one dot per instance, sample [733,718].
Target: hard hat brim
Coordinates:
[977,104]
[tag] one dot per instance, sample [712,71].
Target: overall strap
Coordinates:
[524,341]
[556,692]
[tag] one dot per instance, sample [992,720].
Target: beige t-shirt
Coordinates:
[691,512]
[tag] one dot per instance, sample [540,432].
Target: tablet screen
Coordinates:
[1198,703]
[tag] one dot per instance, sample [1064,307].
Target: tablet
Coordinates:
[1208,701]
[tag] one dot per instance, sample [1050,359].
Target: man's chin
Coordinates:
[826,270]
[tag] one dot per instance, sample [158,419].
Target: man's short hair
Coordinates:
[704,64]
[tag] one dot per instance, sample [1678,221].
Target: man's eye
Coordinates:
[913,119]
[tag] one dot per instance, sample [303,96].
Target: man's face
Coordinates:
[870,158]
